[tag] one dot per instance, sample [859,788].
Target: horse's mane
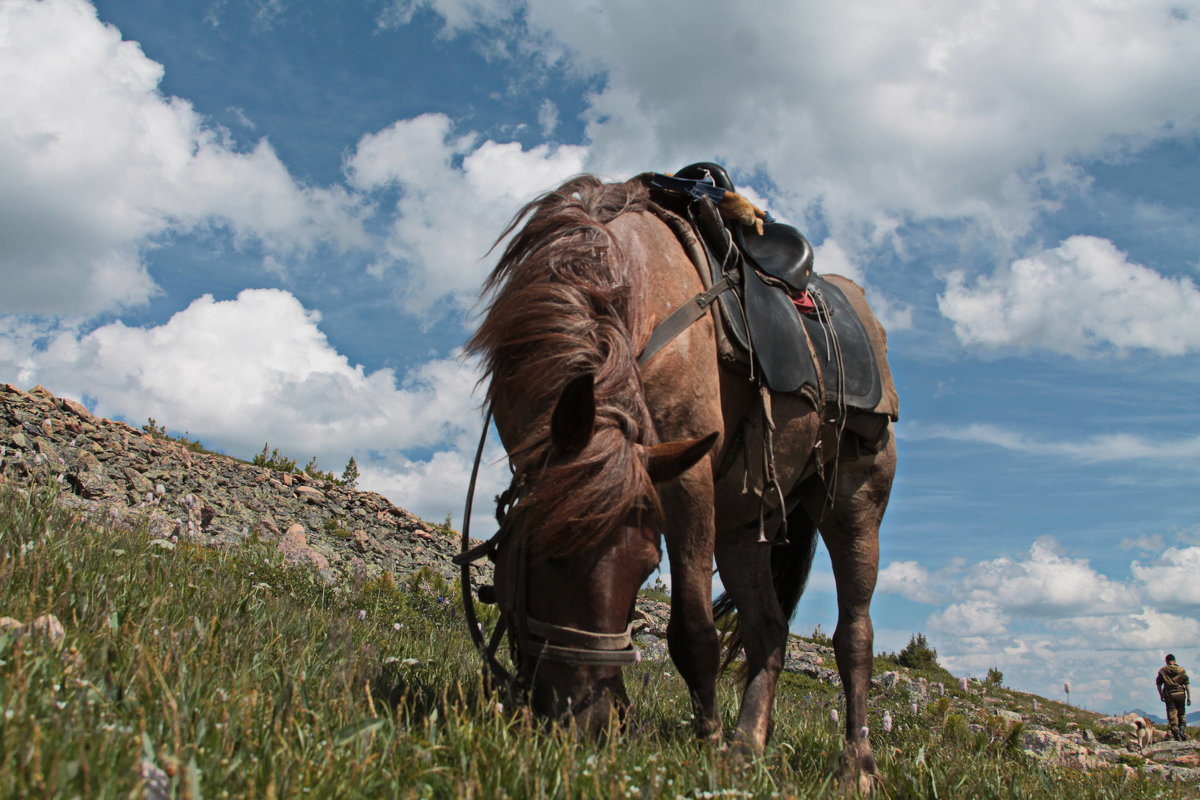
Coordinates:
[562,303]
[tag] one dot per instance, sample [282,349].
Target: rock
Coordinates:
[76,408]
[1010,716]
[137,482]
[46,626]
[1123,721]
[86,484]
[311,494]
[295,548]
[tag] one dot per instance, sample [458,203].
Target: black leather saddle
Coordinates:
[767,271]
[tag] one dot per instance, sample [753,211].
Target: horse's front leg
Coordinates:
[850,528]
[691,634]
[745,567]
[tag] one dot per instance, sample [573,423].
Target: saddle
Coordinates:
[828,347]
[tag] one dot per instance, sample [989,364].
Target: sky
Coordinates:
[268,221]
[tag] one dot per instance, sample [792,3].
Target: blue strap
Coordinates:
[698,189]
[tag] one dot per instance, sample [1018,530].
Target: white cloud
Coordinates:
[1044,617]
[437,486]
[1082,297]
[908,579]
[1173,579]
[457,194]
[970,619]
[1149,543]
[548,117]
[98,164]
[1097,449]
[1045,583]
[253,369]
[874,112]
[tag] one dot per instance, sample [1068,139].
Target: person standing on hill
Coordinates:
[1174,690]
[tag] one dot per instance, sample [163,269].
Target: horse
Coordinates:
[611,458]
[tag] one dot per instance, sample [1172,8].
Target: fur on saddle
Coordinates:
[736,208]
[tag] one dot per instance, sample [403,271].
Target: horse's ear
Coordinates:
[667,461]
[574,417]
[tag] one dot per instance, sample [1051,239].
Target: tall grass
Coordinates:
[191,672]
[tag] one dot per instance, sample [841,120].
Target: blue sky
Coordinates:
[267,220]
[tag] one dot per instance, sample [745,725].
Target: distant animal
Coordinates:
[1146,733]
[610,457]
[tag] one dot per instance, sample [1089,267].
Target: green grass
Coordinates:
[238,677]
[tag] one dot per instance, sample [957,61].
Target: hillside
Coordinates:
[112,471]
[217,622]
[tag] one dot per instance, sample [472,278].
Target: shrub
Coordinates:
[917,654]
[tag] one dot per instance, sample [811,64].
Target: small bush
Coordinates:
[917,654]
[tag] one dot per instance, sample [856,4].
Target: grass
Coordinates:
[227,674]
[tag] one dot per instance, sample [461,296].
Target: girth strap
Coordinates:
[682,318]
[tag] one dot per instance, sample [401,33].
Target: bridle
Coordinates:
[545,641]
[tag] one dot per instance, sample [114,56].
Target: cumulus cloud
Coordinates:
[457,194]
[1046,582]
[434,487]
[970,619]
[908,579]
[253,369]
[98,165]
[1083,297]
[1047,617]
[871,112]
[1171,579]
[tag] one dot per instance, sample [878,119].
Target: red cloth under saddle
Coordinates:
[804,304]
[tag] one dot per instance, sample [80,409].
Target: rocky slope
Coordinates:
[115,473]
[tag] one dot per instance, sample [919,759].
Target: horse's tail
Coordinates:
[791,564]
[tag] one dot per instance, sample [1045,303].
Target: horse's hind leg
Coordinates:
[850,527]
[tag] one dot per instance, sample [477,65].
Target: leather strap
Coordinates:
[682,318]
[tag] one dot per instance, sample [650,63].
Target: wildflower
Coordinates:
[962,684]
[864,732]
[396,626]
[159,489]
[887,722]
[914,708]
[362,613]
[833,715]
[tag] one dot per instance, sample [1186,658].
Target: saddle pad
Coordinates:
[859,377]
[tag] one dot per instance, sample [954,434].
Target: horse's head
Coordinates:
[569,611]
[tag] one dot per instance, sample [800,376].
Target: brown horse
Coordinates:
[574,298]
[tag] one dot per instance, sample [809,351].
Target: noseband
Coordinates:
[545,641]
